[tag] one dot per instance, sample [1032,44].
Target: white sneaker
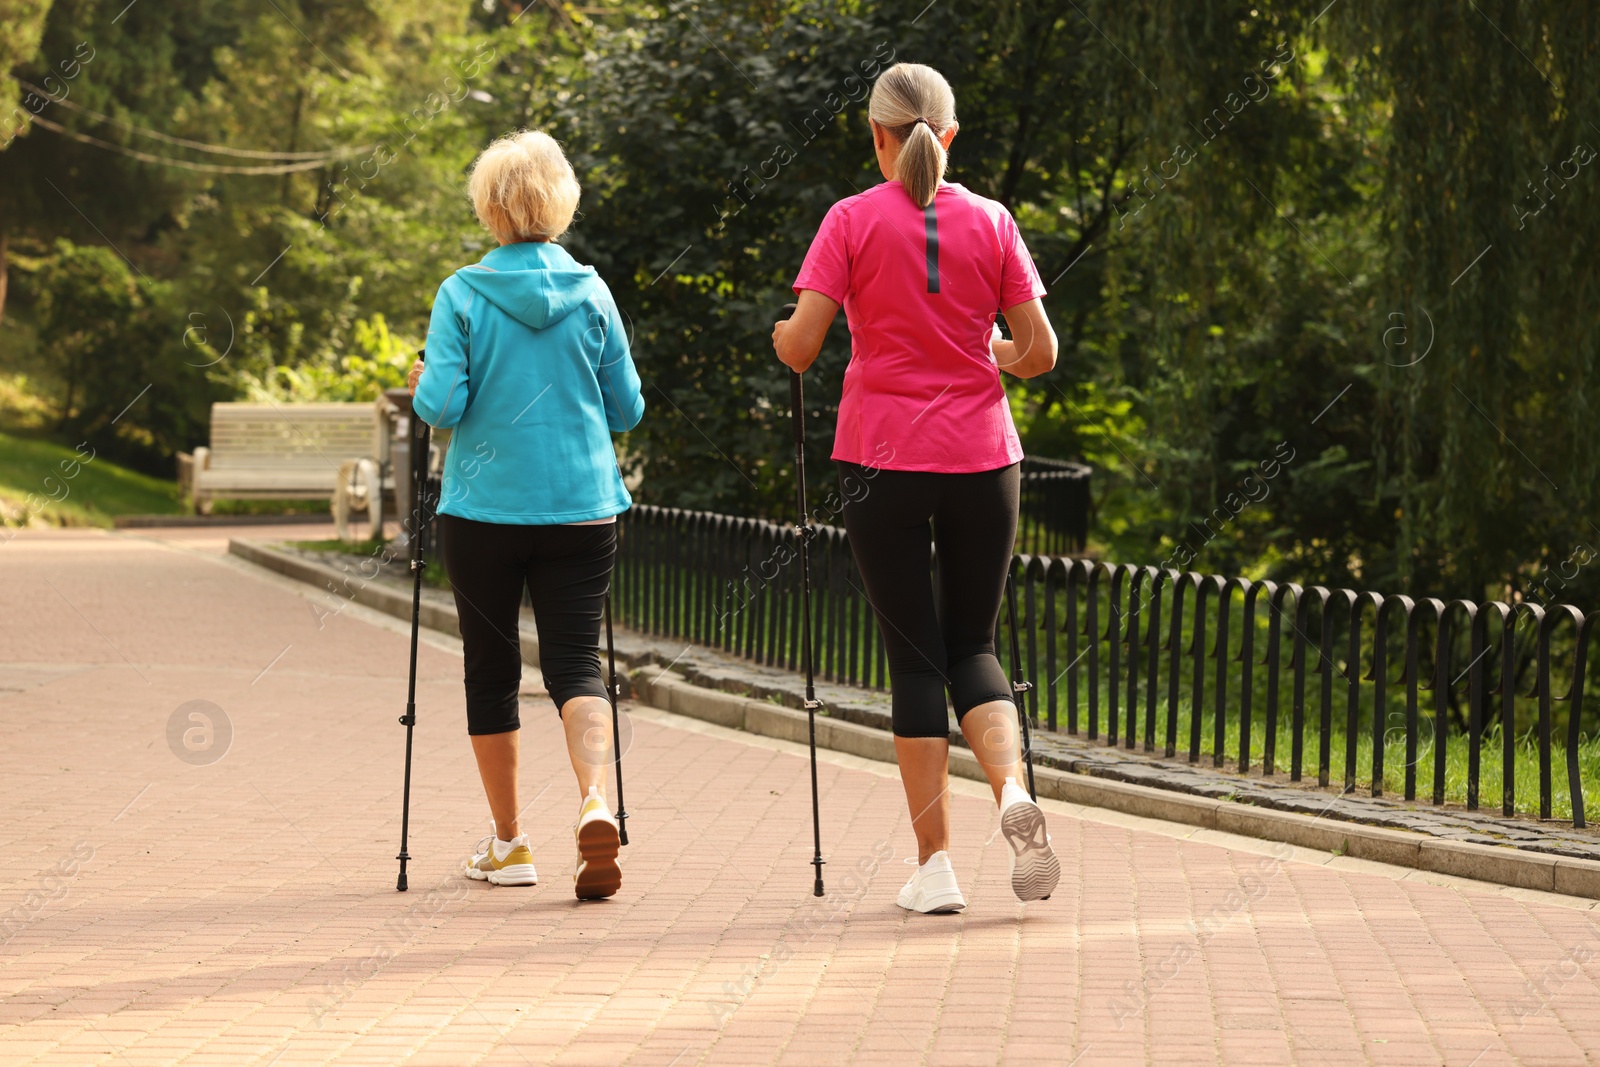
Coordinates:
[503,862]
[933,890]
[1035,870]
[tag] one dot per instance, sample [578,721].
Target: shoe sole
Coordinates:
[947,908]
[1036,871]
[599,876]
[514,875]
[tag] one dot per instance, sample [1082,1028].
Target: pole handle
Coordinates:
[796,397]
[417,424]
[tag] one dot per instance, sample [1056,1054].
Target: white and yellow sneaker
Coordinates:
[599,840]
[503,862]
[1035,870]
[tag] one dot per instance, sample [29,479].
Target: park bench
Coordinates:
[288,452]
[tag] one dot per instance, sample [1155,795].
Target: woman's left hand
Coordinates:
[414,376]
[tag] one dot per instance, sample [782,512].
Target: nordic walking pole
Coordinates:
[616,730]
[803,535]
[1019,685]
[421,441]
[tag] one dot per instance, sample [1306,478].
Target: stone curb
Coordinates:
[141,522]
[669,692]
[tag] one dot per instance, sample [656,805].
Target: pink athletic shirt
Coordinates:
[920,289]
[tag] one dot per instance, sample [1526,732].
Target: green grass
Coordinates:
[1525,789]
[433,572]
[346,548]
[53,483]
[270,507]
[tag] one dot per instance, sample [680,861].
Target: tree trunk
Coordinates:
[5,264]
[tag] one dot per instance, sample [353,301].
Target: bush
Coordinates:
[84,300]
[378,360]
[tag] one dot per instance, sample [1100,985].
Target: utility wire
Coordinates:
[204,168]
[221,150]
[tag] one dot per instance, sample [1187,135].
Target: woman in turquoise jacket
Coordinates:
[528,365]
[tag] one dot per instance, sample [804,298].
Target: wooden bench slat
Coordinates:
[217,482]
[252,462]
[286,450]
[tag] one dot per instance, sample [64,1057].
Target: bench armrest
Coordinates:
[188,463]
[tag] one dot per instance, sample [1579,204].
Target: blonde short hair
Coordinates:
[523,188]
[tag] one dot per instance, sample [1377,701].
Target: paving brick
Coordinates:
[245,909]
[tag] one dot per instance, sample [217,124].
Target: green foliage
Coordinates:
[1196,336]
[249,278]
[1241,212]
[377,360]
[113,385]
[662,126]
[84,299]
[21,23]
[1489,111]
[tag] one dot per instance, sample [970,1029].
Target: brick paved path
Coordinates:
[155,910]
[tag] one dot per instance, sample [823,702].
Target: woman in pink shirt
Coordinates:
[921,268]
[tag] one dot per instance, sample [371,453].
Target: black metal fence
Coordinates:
[732,583]
[1458,700]
[1056,507]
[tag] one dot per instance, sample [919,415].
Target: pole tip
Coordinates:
[400,885]
[816,888]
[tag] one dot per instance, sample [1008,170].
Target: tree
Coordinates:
[756,114]
[20,26]
[1253,217]
[86,298]
[1492,195]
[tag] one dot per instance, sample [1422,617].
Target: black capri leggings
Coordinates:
[567,571]
[944,639]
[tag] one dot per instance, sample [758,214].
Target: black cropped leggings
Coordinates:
[566,570]
[938,633]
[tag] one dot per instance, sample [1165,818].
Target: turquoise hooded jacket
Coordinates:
[528,363]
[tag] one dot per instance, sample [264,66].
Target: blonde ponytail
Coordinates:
[915,105]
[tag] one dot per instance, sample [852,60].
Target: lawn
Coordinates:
[433,572]
[1457,748]
[75,487]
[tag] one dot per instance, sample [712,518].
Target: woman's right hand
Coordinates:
[798,339]
[414,376]
[777,339]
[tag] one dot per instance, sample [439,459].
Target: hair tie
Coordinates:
[925,122]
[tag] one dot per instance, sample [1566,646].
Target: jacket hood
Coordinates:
[537,283]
